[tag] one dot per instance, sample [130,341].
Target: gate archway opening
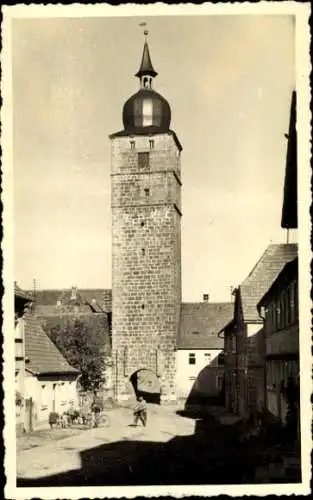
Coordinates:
[146,384]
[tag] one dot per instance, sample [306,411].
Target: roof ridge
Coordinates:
[66,289]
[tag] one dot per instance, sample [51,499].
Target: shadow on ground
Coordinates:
[212,455]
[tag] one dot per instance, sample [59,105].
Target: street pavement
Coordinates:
[172,449]
[64,457]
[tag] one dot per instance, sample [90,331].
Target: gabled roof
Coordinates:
[262,276]
[42,355]
[200,324]
[288,273]
[19,293]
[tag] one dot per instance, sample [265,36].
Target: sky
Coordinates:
[228,80]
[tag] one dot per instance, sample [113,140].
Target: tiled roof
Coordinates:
[289,272]
[200,324]
[18,292]
[43,355]
[47,299]
[262,276]
[55,310]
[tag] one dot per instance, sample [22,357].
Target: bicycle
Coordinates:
[102,420]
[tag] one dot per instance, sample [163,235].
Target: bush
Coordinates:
[85,343]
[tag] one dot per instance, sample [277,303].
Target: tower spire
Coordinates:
[146,68]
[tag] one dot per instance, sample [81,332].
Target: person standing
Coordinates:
[140,412]
[96,409]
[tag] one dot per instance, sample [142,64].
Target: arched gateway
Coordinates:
[146,247]
[146,384]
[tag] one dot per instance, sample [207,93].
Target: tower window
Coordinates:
[151,143]
[143,251]
[147,191]
[142,224]
[132,145]
[143,160]
[142,306]
[192,358]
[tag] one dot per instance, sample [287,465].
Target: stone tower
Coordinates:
[146,241]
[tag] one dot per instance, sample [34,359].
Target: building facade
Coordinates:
[244,335]
[22,302]
[50,382]
[281,328]
[200,356]
[146,241]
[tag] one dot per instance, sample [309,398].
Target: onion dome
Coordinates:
[146,111]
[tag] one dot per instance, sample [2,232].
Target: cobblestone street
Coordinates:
[172,449]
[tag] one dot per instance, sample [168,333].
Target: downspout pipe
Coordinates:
[261,313]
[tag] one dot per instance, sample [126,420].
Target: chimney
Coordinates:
[74,293]
[33,304]
[206,297]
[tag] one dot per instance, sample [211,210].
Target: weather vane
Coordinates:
[142,25]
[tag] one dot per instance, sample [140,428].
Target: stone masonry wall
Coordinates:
[146,261]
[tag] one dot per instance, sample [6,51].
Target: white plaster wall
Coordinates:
[252,328]
[50,395]
[187,374]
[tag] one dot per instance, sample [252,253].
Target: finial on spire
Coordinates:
[146,67]
[146,32]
